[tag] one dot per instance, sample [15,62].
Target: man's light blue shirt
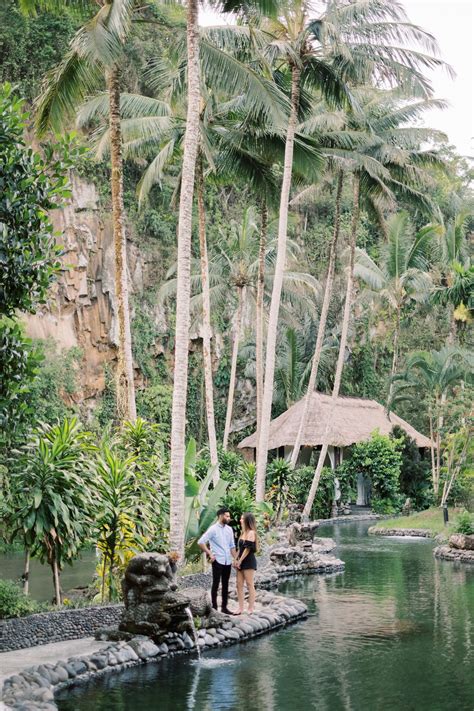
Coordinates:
[221,539]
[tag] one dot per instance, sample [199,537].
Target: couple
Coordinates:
[223,555]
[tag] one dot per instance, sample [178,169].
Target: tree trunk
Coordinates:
[183,290]
[57,587]
[322,322]
[262,447]
[433,459]
[126,409]
[342,350]
[396,338]
[259,323]
[26,572]
[233,367]
[206,324]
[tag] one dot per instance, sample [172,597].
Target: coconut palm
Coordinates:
[435,373]
[456,274]
[95,55]
[317,52]
[402,274]
[388,160]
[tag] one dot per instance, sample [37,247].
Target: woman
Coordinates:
[246,562]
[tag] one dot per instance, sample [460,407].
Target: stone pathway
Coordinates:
[14,662]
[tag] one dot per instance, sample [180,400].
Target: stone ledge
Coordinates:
[454,554]
[34,687]
[413,532]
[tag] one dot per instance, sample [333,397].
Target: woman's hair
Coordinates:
[250,524]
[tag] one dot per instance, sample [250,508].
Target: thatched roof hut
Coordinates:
[354,419]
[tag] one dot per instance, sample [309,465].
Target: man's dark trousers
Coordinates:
[220,572]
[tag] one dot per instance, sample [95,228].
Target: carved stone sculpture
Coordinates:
[299,532]
[153,606]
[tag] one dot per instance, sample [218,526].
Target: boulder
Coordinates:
[199,601]
[462,541]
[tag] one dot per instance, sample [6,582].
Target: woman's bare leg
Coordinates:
[249,576]
[240,589]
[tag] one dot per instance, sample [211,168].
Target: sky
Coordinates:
[452,23]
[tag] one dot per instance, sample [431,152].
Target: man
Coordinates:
[221,539]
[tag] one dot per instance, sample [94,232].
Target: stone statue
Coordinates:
[153,606]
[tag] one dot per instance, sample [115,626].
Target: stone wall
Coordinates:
[57,626]
[412,532]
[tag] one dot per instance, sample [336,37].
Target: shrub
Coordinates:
[465,523]
[13,601]
[415,472]
[380,460]
[301,482]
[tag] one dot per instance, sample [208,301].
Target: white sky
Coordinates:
[452,23]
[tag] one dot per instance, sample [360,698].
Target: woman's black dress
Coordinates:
[250,561]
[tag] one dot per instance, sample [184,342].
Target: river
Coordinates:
[394,631]
[80,573]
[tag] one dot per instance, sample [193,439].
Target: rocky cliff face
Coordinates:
[81,308]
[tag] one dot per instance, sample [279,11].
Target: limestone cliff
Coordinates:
[81,308]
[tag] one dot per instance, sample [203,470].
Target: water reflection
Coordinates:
[394,631]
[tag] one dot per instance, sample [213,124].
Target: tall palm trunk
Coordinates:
[259,355]
[206,323]
[183,290]
[322,322]
[233,367]
[396,338]
[262,447]
[126,409]
[342,350]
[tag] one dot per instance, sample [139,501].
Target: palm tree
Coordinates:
[403,271]
[435,373]
[95,55]
[183,292]
[456,274]
[342,344]
[388,161]
[317,52]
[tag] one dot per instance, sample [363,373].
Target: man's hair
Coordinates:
[222,510]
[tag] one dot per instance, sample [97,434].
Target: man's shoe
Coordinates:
[226,611]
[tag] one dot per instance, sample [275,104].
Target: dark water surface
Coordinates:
[395,630]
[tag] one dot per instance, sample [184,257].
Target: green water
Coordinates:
[41,579]
[394,631]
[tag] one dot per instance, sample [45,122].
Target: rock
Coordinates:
[145,649]
[187,641]
[462,541]
[100,660]
[163,648]
[210,641]
[298,532]
[199,601]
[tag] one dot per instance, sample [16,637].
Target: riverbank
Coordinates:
[424,524]
[36,686]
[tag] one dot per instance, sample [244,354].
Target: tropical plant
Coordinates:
[415,471]
[435,374]
[402,274]
[31,186]
[14,602]
[458,455]
[465,523]
[343,39]
[121,513]
[19,365]
[48,504]
[380,460]
[201,501]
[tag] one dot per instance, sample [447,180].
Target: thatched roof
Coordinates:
[354,419]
